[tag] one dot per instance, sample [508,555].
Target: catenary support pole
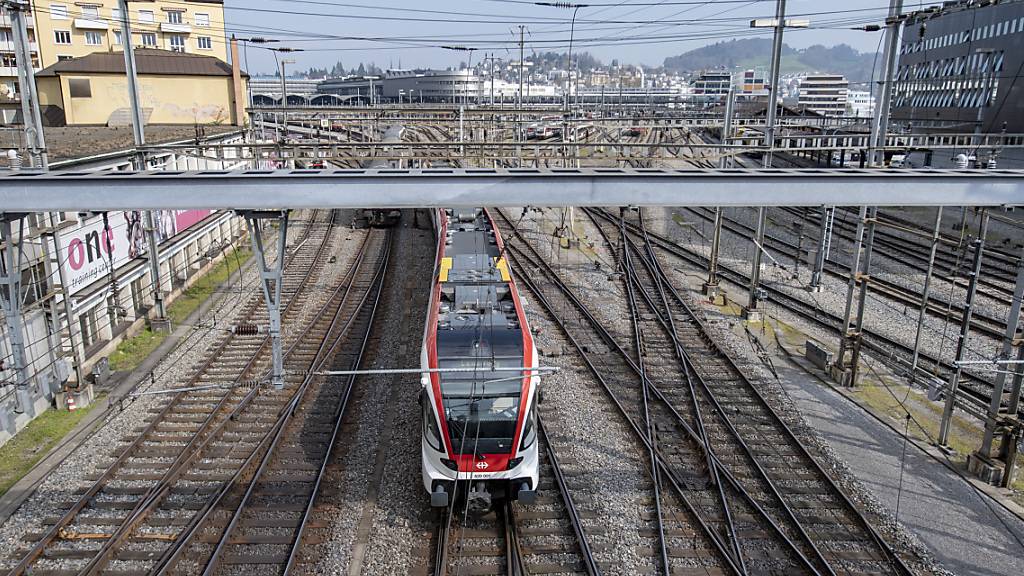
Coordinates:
[31,116]
[925,292]
[999,383]
[862,298]
[773,96]
[65,294]
[845,333]
[880,124]
[10,298]
[965,326]
[824,240]
[711,287]
[271,281]
[139,133]
[753,309]
[725,160]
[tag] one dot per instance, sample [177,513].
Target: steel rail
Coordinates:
[50,535]
[728,475]
[915,253]
[515,564]
[1010,260]
[322,354]
[173,553]
[881,345]
[589,561]
[981,322]
[155,496]
[690,374]
[625,261]
[894,558]
[667,319]
[667,468]
[442,537]
[705,528]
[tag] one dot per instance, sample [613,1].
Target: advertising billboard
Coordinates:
[92,248]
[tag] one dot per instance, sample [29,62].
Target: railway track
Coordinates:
[996,281]
[937,306]
[693,523]
[262,519]
[195,447]
[758,513]
[975,390]
[546,538]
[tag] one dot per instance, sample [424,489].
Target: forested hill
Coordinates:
[756,52]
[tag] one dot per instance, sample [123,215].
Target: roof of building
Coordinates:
[148,61]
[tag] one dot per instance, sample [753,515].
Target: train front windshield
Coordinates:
[482,404]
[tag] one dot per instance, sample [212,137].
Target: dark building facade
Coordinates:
[960,68]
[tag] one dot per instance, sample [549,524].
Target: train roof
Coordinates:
[478,323]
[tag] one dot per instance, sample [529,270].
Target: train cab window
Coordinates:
[482,425]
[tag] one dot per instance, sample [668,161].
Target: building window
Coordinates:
[174,17]
[117,37]
[115,14]
[80,88]
[149,39]
[202,19]
[205,43]
[93,38]
[63,57]
[176,42]
[62,37]
[146,16]
[91,12]
[58,12]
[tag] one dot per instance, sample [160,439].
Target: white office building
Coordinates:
[824,94]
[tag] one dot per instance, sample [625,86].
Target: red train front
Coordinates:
[479,380]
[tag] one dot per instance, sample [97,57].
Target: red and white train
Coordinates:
[480,385]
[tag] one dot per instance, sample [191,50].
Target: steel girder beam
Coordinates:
[276,189]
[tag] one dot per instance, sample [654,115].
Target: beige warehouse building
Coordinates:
[175,88]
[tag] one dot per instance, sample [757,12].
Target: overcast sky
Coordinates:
[410,32]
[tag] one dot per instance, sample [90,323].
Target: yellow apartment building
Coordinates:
[65,29]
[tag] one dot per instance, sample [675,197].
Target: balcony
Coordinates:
[175,28]
[5,21]
[8,46]
[87,24]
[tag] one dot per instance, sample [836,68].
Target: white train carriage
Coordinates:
[479,421]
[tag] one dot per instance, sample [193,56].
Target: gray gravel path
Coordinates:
[965,531]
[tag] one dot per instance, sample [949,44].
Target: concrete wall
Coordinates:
[165,99]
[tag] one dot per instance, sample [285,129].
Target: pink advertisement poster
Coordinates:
[91,250]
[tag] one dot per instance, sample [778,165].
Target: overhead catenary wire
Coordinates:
[498,44]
